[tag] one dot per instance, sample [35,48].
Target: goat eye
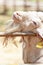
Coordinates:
[34,22]
[17,13]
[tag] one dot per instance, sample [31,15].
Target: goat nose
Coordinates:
[18,14]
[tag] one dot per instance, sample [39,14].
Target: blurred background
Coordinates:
[8,6]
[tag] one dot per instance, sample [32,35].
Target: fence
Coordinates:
[24,5]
